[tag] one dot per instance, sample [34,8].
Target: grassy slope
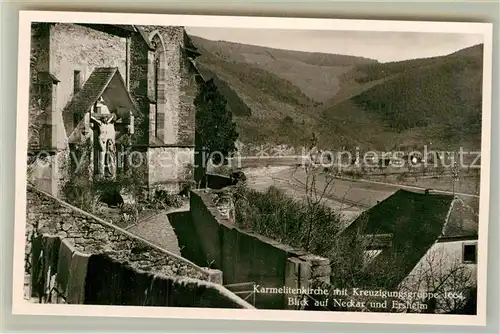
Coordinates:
[434,101]
[261,102]
[268,107]
[318,75]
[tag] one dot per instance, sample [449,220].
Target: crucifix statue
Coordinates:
[105,143]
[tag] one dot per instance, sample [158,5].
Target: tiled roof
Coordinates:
[93,89]
[415,221]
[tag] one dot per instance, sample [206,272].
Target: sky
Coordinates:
[382,46]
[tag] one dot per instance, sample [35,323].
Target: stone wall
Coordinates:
[45,170]
[169,167]
[187,109]
[41,172]
[169,280]
[42,89]
[63,275]
[245,257]
[138,85]
[122,268]
[38,63]
[173,115]
[92,235]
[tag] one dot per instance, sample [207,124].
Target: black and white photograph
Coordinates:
[252,168]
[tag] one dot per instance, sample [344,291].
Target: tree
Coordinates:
[215,129]
[314,196]
[440,273]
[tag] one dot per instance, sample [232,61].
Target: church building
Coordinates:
[103,83]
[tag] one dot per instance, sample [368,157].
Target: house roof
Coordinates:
[415,220]
[94,87]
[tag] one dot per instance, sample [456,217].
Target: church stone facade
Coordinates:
[102,82]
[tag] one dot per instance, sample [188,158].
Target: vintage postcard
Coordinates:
[225,167]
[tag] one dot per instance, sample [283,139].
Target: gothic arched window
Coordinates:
[158,82]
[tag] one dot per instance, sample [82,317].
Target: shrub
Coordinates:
[130,213]
[164,200]
[353,173]
[186,188]
[277,216]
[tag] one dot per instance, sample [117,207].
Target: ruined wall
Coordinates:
[247,257]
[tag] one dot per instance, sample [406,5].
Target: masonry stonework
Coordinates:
[69,54]
[79,48]
[176,86]
[91,235]
[188,92]
[169,105]
[134,271]
[267,263]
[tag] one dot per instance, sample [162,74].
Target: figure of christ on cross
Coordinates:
[105,144]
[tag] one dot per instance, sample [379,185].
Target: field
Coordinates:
[351,196]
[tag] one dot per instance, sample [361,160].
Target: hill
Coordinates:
[434,101]
[265,107]
[316,74]
[280,97]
